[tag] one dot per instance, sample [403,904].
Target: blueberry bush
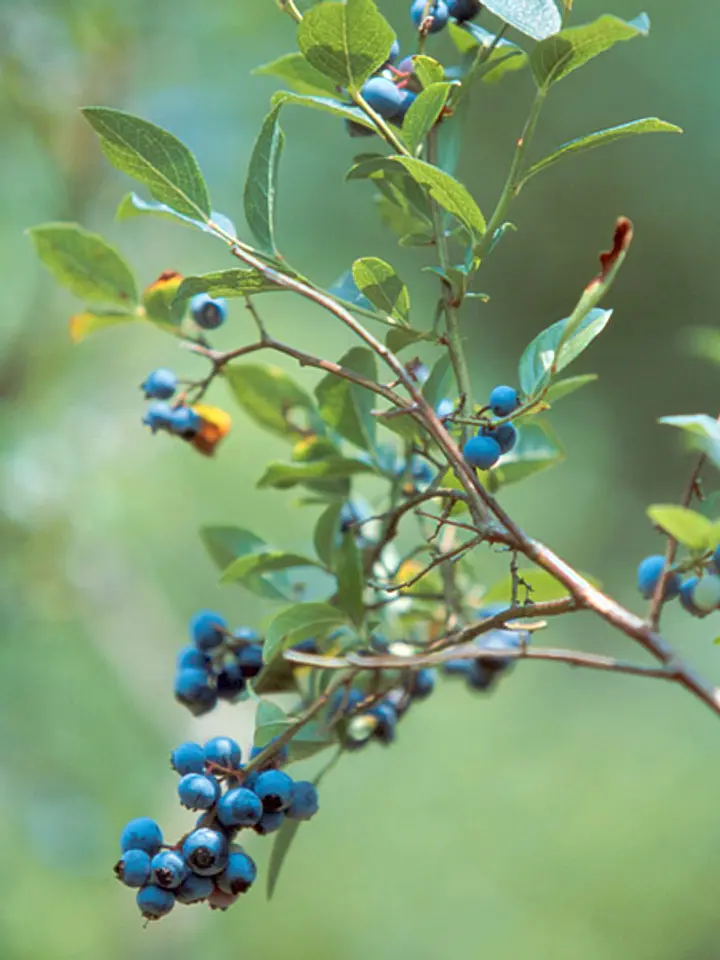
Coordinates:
[384,603]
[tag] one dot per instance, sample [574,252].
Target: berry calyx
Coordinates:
[274,788]
[205,851]
[168,869]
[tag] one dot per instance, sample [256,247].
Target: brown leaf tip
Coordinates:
[622,239]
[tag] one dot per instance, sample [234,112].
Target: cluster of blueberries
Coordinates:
[364,720]
[160,385]
[484,450]
[206,865]
[699,595]
[391,92]
[218,663]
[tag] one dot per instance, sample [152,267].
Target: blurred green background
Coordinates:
[571,814]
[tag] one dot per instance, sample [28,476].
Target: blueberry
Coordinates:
[408,98]
[188,758]
[503,400]
[197,791]
[219,900]
[133,868]
[243,636]
[422,683]
[158,416]
[270,823]
[706,593]
[421,471]
[686,597]
[382,96]
[239,874]
[479,677]
[347,700]
[159,385]
[438,11]
[206,851]
[168,869]
[224,752]
[231,682]
[207,312]
[648,575]
[154,902]
[394,51]
[239,807]
[192,657]
[463,10]
[184,422]
[207,630]
[505,436]
[194,689]
[386,717]
[141,834]
[274,789]
[456,667]
[715,562]
[304,804]
[249,660]
[482,452]
[194,889]
[306,646]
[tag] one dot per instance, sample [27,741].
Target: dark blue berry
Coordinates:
[648,576]
[206,851]
[244,635]
[479,676]
[386,717]
[154,902]
[194,689]
[207,630]
[438,11]
[270,823]
[422,471]
[347,700]
[239,874]
[188,758]
[207,312]
[231,682]
[394,51]
[223,751]
[505,437]
[686,597]
[185,422]
[198,791]
[239,807]
[422,683]
[192,657]
[160,384]
[304,803]
[133,868]
[482,452]
[249,660]
[141,834]
[407,99]
[503,400]
[168,869]
[456,667]
[194,889]
[463,10]
[382,96]
[158,416]
[274,789]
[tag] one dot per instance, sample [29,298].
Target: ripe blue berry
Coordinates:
[243,636]
[438,11]
[224,752]
[349,701]
[231,682]
[154,902]
[184,422]
[159,385]
[421,471]
[274,789]
[249,660]
[270,823]
[456,667]
[188,758]
[482,452]
[706,593]
[686,596]
[133,868]
[197,791]
[386,717]
[194,889]
[408,98]
[648,575]
[479,677]
[239,874]
[194,689]
[382,96]
[141,834]
[304,804]
[463,10]
[205,851]
[422,683]
[503,400]
[505,436]
[168,869]
[158,416]
[192,657]
[394,51]
[239,807]
[207,629]
[207,312]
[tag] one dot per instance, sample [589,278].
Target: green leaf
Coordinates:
[537,449]
[689,528]
[351,581]
[160,302]
[283,476]
[132,206]
[557,56]
[601,137]
[326,105]
[427,70]
[92,321]
[440,382]
[424,113]
[541,360]
[704,430]
[377,280]
[301,76]
[327,533]
[506,56]
[544,587]
[705,343]
[250,566]
[225,544]
[449,193]
[347,407]
[300,622]
[262,179]
[401,337]
[267,394]
[154,157]
[563,388]
[84,263]
[346,41]
[535,18]
[237,282]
